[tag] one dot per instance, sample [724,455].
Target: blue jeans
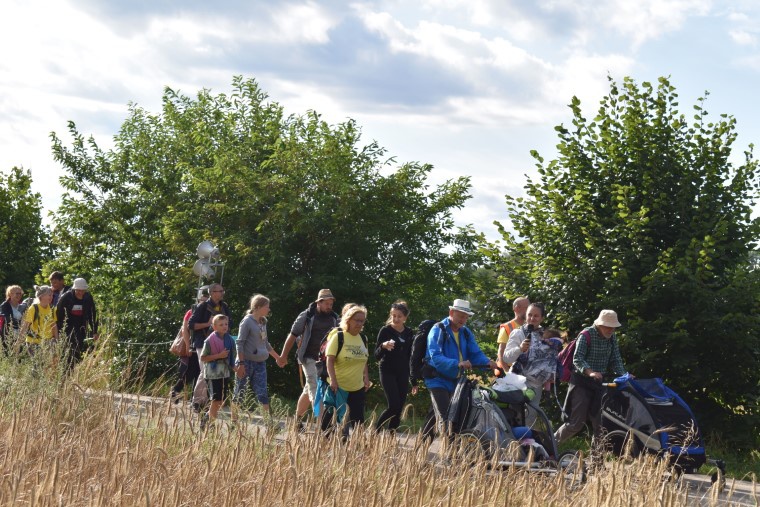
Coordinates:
[256,378]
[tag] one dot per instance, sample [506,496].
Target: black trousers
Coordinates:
[396,386]
[187,374]
[77,346]
[355,404]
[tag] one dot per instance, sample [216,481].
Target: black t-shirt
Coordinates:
[321,325]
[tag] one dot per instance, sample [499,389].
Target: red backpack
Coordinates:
[565,357]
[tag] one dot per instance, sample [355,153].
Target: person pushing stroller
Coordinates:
[596,352]
[451,346]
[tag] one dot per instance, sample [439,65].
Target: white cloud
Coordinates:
[308,22]
[743,38]
[507,83]
[639,22]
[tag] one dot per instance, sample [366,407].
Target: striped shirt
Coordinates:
[603,354]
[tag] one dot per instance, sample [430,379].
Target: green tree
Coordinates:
[23,244]
[293,203]
[643,211]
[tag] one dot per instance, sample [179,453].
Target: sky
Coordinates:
[469,86]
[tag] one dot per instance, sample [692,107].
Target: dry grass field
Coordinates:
[60,445]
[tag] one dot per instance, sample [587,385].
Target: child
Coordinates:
[553,338]
[218,357]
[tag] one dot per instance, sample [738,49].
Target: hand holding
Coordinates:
[525,345]
[389,345]
[466,364]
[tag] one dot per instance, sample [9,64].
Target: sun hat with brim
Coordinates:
[607,318]
[79,284]
[324,294]
[463,306]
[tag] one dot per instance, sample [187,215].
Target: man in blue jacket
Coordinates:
[451,346]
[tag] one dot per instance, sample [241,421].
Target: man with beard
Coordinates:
[596,353]
[309,328]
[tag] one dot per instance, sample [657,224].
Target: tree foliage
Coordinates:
[644,211]
[23,244]
[294,204]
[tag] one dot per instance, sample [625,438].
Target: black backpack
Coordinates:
[418,367]
[322,359]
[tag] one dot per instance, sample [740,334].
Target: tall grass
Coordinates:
[63,441]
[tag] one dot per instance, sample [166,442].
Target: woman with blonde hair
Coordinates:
[394,347]
[253,349]
[39,324]
[11,314]
[347,367]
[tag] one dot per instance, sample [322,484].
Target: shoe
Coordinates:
[175,397]
[197,408]
[204,421]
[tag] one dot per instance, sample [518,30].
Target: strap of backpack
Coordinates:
[588,337]
[340,342]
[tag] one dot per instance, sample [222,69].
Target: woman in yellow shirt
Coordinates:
[347,367]
[39,325]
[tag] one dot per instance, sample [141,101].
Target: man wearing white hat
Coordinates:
[451,346]
[596,352]
[75,314]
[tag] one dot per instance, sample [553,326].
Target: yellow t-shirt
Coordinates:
[41,327]
[505,330]
[350,363]
[459,347]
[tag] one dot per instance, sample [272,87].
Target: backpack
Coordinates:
[418,367]
[35,320]
[322,359]
[565,358]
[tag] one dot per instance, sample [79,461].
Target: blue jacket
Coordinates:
[443,355]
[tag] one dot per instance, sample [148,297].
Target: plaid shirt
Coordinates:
[602,354]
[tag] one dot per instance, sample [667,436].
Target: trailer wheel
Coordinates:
[573,462]
[622,444]
[474,445]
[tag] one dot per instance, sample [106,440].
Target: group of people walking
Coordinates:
[57,314]
[332,354]
[331,351]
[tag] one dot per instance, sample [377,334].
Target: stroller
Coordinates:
[495,422]
[644,415]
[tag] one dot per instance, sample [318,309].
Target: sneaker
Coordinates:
[196,408]
[204,421]
[175,397]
